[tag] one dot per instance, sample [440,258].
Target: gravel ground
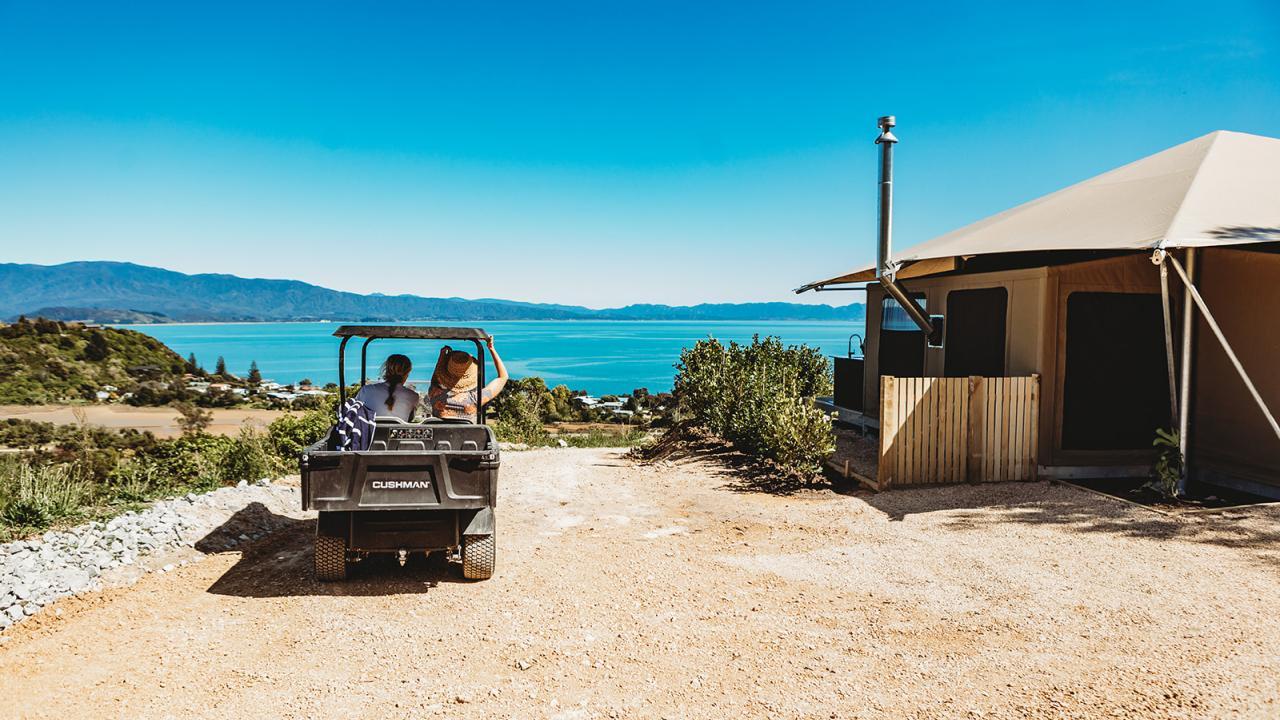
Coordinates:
[35,572]
[670,591]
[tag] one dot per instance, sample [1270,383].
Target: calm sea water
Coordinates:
[599,357]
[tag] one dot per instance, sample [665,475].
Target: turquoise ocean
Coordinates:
[600,357]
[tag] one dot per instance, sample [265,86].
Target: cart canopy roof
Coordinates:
[1217,190]
[411,332]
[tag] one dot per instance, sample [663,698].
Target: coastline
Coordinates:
[468,323]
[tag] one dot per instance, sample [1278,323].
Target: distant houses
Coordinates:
[617,408]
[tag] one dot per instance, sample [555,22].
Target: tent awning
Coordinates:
[1217,190]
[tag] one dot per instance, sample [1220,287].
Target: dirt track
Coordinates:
[663,592]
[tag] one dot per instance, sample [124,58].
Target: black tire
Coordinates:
[479,555]
[331,558]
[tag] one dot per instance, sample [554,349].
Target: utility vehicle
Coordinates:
[419,488]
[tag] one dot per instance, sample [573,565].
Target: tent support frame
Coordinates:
[1194,295]
[1168,335]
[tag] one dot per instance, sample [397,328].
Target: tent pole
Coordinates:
[1222,339]
[1188,331]
[1168,337]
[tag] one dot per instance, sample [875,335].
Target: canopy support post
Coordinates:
[1222,340]
[1158,259]
[1188,336]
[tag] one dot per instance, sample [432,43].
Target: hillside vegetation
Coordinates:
[45,361]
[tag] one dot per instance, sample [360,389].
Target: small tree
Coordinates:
[191,419]
[255,375]
[221,368]
[192,366]
[97,349]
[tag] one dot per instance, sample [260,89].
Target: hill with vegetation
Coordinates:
[115,292]
[45,361]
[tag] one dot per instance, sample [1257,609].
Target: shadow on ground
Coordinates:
[975,507]
[280,565]
[742,472]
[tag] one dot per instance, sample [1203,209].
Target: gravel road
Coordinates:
[667,591]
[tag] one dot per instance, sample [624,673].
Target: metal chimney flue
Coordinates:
[886,271]
[886,141]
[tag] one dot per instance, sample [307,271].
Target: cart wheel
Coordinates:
[478,556]
[331,558]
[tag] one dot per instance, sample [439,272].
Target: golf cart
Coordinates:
[420,487]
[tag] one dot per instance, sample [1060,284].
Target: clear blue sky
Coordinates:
[597,152]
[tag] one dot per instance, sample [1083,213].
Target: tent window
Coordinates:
[976,332]
[893,317]
[901,342]
[1116,389]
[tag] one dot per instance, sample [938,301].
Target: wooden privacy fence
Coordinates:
[952,430]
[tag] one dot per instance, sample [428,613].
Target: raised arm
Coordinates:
[495,386]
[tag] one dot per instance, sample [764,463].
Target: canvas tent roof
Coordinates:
[1219,189]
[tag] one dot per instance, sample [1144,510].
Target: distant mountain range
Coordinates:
[114,292]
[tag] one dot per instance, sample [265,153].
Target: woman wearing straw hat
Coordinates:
[453,392]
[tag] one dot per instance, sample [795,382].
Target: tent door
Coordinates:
[1116,386]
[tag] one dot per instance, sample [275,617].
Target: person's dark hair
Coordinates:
[395,370]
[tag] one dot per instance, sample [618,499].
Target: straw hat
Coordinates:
[457,372]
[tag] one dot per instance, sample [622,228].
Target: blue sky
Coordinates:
[598,153]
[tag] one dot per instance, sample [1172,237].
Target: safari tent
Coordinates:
[1085,288]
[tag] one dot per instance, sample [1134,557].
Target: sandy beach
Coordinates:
[159,420]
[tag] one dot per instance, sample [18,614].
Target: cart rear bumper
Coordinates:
[397,480]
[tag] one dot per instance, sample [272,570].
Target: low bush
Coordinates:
[34,497]
[760,398]
[519,419]
[628,438]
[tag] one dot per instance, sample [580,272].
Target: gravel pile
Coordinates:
[36,572]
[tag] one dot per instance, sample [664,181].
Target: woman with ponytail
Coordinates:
[391,397]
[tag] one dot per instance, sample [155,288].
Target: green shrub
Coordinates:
[291,434]
[193,461]
[36,496]
[759,397]
[520,420]
[1168,467]
[249,457]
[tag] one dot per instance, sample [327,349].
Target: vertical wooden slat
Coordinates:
[1035,426]
[1015,428]
[977,418]
[931,419]
[1024,422]
[908,409]
[1029,470]
[888,431]
[942,472]
[993,427]
[963,443]
[908,427]
[998,435]
[936,401]
[1003,438]
[1024,404]
[988,471]
[916,425]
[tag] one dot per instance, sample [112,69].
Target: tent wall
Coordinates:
[1024,338]
[1229,437]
